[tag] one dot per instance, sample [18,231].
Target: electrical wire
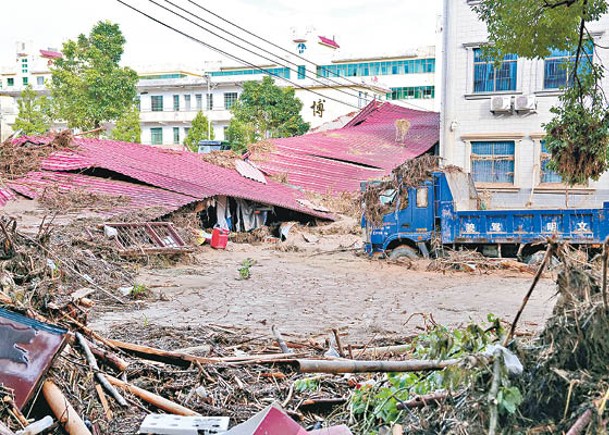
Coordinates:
[241,47]
[231,56]
[312,74]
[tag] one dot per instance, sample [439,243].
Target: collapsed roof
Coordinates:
[150,177]
[381,137]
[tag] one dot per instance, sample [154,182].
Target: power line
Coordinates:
[264,40]
[218,50]
[244,48]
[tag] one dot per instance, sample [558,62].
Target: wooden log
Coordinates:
[351,366]
[100,376]
[63,410]
[422,401]
[184,359]
[104,401]
[153,399]
[109,358]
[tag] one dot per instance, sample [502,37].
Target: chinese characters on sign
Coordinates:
[318,107]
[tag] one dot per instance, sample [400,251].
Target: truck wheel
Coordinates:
[404,252]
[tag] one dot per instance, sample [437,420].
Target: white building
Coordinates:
[329,84]
[492,117]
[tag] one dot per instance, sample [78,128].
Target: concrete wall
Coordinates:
[467,116]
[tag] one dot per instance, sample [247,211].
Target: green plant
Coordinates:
[306,384]
[244,270]
[139,291]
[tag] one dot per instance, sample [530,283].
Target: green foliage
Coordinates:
[306,384]
[376,403]
[244,270]
[139,291]
[548,24]
[128,128]
[34,113]
[198,131]
[264,110]
[578,135]
[87,84]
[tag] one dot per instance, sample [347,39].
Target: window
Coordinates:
[210,101]
[24,68]
[488,78]
[558,67]
[156,136]
[225,132]
[363,69]
[40,81]
[199,101]
[156,103]
[276,72]
[302,72]
[186,130]
[176,103]
[229,99]
[187,102]
[493,161]
[25,81]
[411,92]
[10,81]
[422,197]
[547,175]
[176,135]
[138,103]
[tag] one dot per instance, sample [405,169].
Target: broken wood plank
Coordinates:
[100,376]
[104,401]
[109,357]
[280,341]
[63,410]
[153,399]
[354,366]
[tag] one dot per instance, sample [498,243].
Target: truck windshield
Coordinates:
[388,196]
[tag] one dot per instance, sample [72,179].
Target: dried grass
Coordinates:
[57,199]
[224,159]
[262,147]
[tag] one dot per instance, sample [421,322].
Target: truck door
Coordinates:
[422,208]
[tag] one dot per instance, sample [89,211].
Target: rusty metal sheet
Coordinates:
[27,349]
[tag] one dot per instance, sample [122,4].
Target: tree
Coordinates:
[578,135]
[128,128]
[87,84]
[198,131]
[34,113]
[264,110]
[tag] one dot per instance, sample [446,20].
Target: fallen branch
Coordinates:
[581,423]
[63,410]
[280,341]
[100,376]
[109,358]
[351,366]
[422,401]
[384,350]
[492,395]
[153,399]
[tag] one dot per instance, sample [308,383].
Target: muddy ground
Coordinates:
[311,287]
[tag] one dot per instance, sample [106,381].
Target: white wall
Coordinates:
[467,116]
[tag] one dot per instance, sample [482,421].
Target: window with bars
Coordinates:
[199,101]
[10,81]
[176,103]
[419,92]
[558,67]
[302,72]
[24,66]
[493,161]
[176,135]
[156,103]
[210,101]
[156,136]
[491,78]
[25,81]
[547,175]
[229,99]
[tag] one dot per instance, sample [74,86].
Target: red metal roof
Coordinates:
[366,147]
[177,171]
[51,54]
[328,41]
[139,197]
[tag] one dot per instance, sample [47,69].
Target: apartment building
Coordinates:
[493,116]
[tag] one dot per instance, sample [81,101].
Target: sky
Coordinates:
[359,26]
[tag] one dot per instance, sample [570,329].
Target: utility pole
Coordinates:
[207,100]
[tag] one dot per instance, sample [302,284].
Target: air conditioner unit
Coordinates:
[525,103]
[501,104]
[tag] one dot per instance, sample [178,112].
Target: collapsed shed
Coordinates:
[137,178]
[376,141]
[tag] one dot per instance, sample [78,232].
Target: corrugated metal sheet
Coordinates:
[248,170]
[6,195]
[178,171]
[139,197]
[367,147]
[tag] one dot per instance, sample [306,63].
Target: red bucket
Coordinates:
[219,238]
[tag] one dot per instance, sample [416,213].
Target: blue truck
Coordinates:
[445,211]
